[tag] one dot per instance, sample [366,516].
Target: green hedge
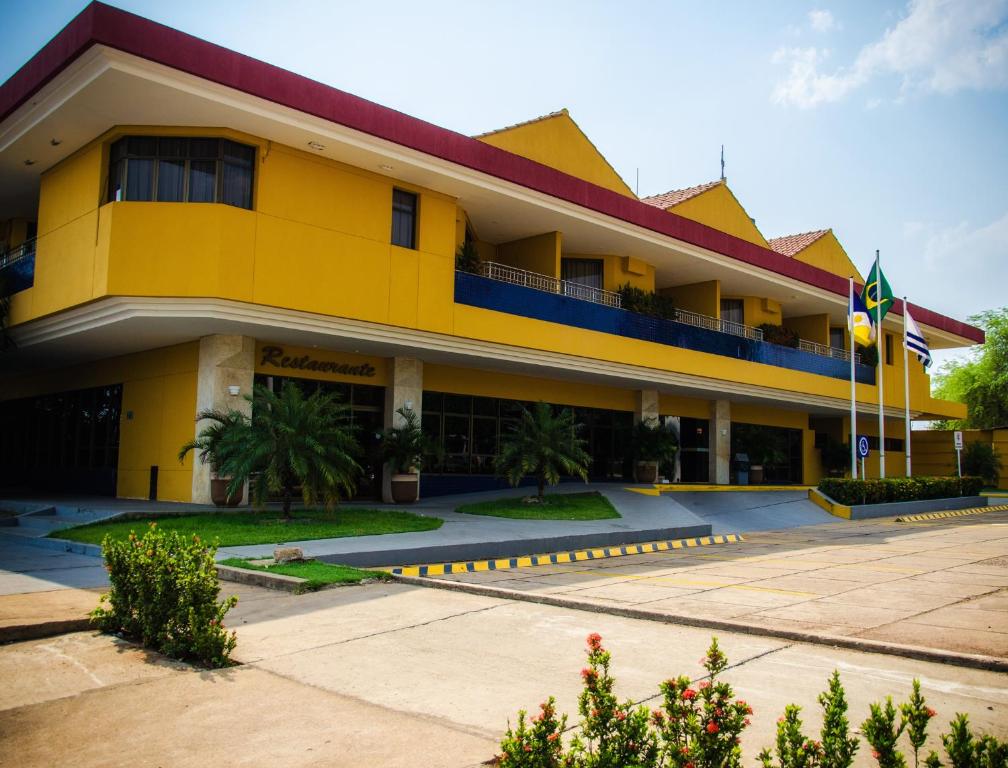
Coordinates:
[853,492]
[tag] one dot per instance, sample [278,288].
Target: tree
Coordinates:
[545,445]
[218,439]
[294,441]
[981,381]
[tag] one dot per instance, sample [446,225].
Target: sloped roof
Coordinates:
[539,119]
[789,245]
[667,199]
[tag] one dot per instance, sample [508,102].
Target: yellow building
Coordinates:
[179,222]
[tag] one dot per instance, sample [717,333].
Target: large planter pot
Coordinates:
[756,474]
[646,471]
[218,493]
[405,488]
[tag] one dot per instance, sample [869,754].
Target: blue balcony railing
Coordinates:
[484,292]
[17,267]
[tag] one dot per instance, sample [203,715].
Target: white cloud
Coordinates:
[942,46]
[821,20]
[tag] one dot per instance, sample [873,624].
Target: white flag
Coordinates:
[915,341]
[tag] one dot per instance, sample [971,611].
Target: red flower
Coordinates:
[875,754]
[553,737]
[712,727]
[704,685]
[931,712]
[620,715]
[719,712]
[689,765]
[595,641]
[689,694]
[589,674]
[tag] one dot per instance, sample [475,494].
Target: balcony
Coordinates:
[506,289]
[17,267]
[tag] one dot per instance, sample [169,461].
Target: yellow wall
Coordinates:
[757,310]
[539,253]
[620,270]
[810,327]
[558,142]
[704,298]
[827,253]
[717,207]
[159,391]
[934,451]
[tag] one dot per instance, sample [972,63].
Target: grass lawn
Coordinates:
[318,574]
[234,528]
[555,506]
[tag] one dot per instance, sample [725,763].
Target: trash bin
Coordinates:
[742,468]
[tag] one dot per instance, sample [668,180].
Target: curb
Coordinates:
[953,513]
[20,632]
[276,581]
[836,509]
[44,542]
[554,558]
[968,660]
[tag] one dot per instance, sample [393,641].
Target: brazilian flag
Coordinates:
[872,295]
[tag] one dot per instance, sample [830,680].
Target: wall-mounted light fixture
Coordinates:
[234,390]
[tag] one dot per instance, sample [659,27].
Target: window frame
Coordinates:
[229,154]
[413,244]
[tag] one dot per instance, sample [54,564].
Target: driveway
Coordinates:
[741,511]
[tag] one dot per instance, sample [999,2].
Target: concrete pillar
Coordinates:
[647,405]
[404,390]
[224,362]
[720,442]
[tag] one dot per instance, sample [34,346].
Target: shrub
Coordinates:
[844,490]
[778,334]
[982,460]
[467,259]
[838,746]
[164,594]
[648,303]
[538,746]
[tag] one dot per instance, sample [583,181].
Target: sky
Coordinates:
[886,121]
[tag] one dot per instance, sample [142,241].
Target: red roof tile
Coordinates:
[676,196]
[789,245]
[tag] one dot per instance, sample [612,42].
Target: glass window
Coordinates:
[888,349]
[733,310]
[180,169]
[404,210]
[582,271]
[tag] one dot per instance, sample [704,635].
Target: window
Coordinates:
[586,272]
[732,311]
[836,337]
[888,349]
[404,214]
[178,169]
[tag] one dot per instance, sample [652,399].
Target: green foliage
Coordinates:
[882,731]
[554,506]
[869,355]
[539,745]
[778,334]
[467,259]
[838,746]
[218,440]
[613,735]
[405,446]
[982,460]
[959,742]
[916,715]
[544,444]
[835,456]
[764,445]
[653,442]
[648,303]
[316,574]
[794,749]
[845,490]
[981,381]
[164,594]
[294,441]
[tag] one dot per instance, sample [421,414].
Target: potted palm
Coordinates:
[653,445]
[215,443]
[403,447]
[545,444]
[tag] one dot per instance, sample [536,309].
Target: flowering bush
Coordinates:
[538,746]
[164,594]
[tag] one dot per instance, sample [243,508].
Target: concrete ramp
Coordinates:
[740,511]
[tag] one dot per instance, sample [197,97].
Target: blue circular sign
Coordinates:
[862,446]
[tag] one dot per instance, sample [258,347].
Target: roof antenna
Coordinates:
[723,179]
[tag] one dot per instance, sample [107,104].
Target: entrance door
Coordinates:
[694,450]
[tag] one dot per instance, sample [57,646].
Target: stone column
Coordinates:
[647,405]
[404,390]
[224,362]
[720,442]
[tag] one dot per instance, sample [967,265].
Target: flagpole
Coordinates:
[906,386]
[879,341]
[853,393]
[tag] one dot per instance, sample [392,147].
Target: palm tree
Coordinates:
[223,437]
[543,444]
[293,441]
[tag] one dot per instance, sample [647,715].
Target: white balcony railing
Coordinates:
[826,351]
[508,274]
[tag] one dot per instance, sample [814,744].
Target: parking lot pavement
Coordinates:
[940,584]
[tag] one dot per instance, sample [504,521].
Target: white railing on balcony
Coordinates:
[508,274]
[18,252]
[713,324]
[826,351]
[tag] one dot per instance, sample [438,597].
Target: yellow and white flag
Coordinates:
[861,321]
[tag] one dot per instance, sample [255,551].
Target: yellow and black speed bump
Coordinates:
[557,558]
[951,513]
